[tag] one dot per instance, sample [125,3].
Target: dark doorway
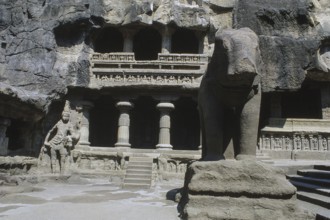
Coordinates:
[302,104]
[144,123]
[109,40]
[185,128]
[147,44]
[20,135]
[104,122]
[184,41]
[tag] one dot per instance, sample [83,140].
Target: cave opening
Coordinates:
[184,41]
[147,44]
[109,40]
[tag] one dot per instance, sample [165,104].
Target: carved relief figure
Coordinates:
[229,95]
[59,141]
[297,142]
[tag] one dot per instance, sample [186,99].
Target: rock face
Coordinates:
[238,190]
[45,44]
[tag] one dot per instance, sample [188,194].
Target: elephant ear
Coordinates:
[238,57]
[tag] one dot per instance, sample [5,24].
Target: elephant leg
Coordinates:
[249,122]
[211,116]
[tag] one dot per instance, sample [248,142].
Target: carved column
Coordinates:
[84,129]
[128,40]
[4,124]
[167,39]
[123,124]
[200,140]
[164,125]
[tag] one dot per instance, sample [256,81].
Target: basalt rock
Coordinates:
[238,190]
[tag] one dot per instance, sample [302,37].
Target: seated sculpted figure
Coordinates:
[229,95]
[59,140]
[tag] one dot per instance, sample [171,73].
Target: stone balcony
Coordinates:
[121,69]
[291,134]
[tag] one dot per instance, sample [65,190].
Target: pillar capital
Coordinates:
[165,106]
[124,105]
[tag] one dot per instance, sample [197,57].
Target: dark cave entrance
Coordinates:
[184,41]
[144,123]
[185,128]
[109,40]
[147,44]
[104,122]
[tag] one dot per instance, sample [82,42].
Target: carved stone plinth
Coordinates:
[123,124]
[238,190]
[4,124]
[84,130]
[164,126]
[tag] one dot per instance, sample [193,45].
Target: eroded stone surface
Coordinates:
[238,190]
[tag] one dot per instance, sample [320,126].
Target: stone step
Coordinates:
[140,163]
[314,173]
[321,212]
[136,171]
[139,167]
[137,180]
[136,186]
[311,188]
[141,176]
[141,159]
[322,167]
[314,198]
[312,180]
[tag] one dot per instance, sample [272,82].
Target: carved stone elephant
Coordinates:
[229,95]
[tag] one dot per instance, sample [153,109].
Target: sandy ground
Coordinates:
[94,199]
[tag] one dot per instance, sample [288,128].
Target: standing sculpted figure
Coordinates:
[59,139]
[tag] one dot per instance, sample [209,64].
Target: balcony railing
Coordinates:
[119,69]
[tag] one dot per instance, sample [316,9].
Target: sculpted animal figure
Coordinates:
[229,96]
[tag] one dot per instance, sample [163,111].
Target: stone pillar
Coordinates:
[84,129]
[200,140]
[128,40]
[164,142]
[167,39]
[123,124]
[275,106]
[4,124]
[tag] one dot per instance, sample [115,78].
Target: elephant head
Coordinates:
[236,59]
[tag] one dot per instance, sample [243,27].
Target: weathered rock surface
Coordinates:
[238,190]
[290,34]
[45,44]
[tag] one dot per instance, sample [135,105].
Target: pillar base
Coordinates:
[164,147]
[82,147]
[122,145]
[84,143]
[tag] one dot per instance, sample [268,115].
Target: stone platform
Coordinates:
[238,190]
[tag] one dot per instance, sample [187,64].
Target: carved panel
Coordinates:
[295,141]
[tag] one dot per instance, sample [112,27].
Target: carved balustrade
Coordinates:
[295,134]
[120,69]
